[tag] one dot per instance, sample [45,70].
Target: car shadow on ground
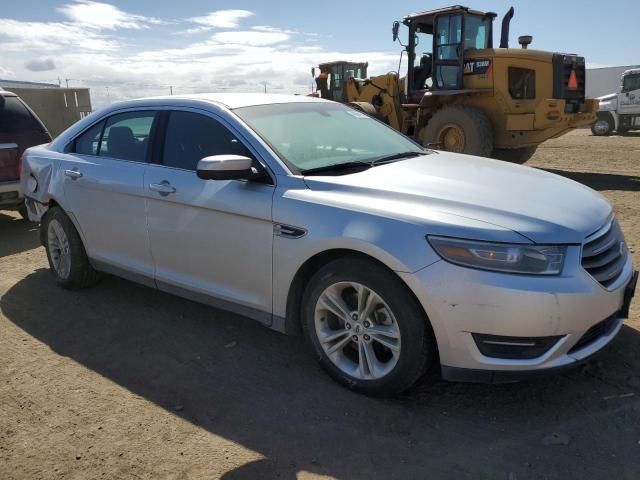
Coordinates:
[601,181]
[232,377]
[16,235]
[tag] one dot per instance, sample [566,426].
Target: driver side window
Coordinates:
[422,64]
[448,36]
[191,136]
[630,83]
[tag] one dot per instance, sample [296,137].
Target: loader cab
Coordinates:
[332,76]
[436,46]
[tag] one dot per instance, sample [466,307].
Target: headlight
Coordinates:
[502,257]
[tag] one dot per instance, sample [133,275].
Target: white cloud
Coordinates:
[40,64]
[221,19]
[250,38]
[17,36]
[267,28]
[100,16]
[89,50]
[5,72]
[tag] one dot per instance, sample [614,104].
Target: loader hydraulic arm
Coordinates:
[382,92]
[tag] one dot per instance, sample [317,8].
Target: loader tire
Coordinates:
[460,129]
[514,155]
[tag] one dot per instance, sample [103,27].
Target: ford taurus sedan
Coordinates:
[309,216]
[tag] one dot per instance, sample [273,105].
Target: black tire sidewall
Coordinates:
[472,121]
[81,273]
[417,344]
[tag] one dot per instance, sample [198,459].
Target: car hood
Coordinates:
[543,207]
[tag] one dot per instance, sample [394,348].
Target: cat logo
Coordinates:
[478,66]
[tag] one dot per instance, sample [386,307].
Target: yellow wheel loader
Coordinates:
[463,95]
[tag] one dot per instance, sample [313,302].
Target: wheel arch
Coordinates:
[55,203]
[610,117]
[311,266]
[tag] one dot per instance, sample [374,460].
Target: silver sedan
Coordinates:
[309,216]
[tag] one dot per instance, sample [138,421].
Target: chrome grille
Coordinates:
[604,254]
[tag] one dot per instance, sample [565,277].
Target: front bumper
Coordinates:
[461,302]
[10,194]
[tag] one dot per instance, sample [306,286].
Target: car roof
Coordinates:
[228,100]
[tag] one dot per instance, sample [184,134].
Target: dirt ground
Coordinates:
[123,382]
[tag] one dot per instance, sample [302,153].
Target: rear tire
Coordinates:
[392,360]
[514,155]
[67,257]
[460,129]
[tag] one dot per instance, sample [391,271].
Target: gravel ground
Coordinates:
[121,381]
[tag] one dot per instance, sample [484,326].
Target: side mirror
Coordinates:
[227,167]
[394,30]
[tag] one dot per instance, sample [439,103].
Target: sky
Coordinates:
[128,49]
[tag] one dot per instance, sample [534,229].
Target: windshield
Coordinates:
[313,135]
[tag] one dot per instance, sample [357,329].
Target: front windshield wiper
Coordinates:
[395,156]
[361,164]
[338,167]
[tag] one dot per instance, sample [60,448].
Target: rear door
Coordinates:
[103,189]
[211,240]
[629,102]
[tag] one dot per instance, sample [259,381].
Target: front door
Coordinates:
[448,52]
[211,240]
[103,189]
[629,98]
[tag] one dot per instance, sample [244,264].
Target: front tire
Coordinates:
[603,126]
[365,327]
[67,257]
[459,129]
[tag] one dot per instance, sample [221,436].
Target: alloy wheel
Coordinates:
[59,249]
[357,330]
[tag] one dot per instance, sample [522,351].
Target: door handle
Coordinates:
[72,174]
[164,188]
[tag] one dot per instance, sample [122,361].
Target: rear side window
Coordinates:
[89,141]
[522,83]
[126,136]
[15,117]
[191,137]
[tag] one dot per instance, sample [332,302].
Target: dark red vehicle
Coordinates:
[20,128]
